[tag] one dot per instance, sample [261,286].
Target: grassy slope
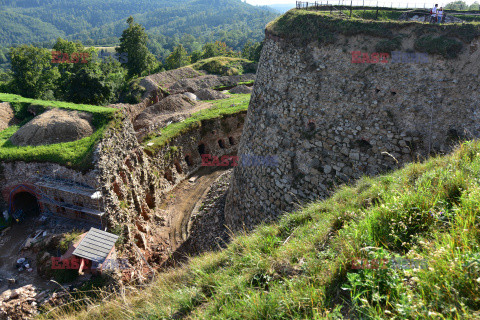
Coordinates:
[75,154]
[224,65]
[300,267]
[237,103]
[302,25]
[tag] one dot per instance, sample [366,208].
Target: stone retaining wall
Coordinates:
[331,121]
[134,183]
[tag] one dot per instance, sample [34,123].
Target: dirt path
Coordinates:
[182,201]
[11,241]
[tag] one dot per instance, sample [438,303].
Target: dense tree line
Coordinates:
[71,71]
[462,5]
[96,22]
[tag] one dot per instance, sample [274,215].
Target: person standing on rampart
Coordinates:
[433,14]
[440,15]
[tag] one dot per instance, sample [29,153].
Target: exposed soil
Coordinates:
[176,102]
[182,201]
[167,78]
[210,94]
[241,89]
[7,117]
[197,223]
[209,81]
[54,126]
[147,122]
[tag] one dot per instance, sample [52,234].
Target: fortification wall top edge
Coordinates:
[302,27]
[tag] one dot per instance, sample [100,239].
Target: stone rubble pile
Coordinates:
[18,304]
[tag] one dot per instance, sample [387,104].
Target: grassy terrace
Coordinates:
[300,26]
[301,267]
[221,108]
[76,154]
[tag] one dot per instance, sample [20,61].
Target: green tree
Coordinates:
[252,51]
[457,5]
[69,57]
[216,49]
[196,55]
[178,58]
[33,72]
[134,43]
[474,6]
[90,86]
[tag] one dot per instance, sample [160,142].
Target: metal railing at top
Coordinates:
[346,7]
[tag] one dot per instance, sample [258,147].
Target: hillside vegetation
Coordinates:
[236,104]
[301,267]
[225,66]
[307,26]
[77,154]
[102,22]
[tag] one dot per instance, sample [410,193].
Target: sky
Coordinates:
[386,3]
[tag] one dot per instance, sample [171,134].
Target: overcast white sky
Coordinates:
[388,3]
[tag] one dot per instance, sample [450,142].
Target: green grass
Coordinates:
[221,108]
[251,82]
[226,66]
[466,18]
[383,15]
[96,110]
[448,48]
[389,45]
[301,267]
[77,154]
[300,26]
[68,239]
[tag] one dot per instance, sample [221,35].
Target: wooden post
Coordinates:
[376,15]
[351,2]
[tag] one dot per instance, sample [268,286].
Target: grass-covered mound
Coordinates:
[225,66]
[301,267]
[76,154]
[302,26]
[221,108]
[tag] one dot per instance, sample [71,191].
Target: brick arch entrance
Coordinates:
[24,197]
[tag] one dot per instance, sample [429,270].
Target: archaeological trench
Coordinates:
[328,121]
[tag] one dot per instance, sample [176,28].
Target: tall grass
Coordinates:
[301,267]
[302,26]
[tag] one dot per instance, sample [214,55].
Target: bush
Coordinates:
[388,45]
[132,92]
[65,275]
[447,47]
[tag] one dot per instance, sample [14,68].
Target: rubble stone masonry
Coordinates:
[330,121]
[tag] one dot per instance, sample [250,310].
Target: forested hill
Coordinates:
[101,22]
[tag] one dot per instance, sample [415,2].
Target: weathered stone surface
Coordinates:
[356,119]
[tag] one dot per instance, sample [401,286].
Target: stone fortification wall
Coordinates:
[134,182]
[59,190]
[330,120]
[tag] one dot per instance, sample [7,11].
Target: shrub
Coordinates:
[388,45]
[447,47]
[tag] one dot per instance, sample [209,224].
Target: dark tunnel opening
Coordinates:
[25,205]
